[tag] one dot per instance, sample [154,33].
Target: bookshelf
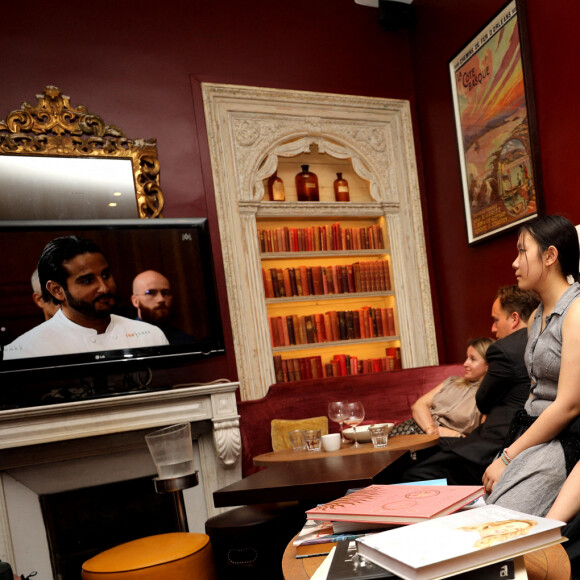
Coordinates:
[328,281]
[254,132]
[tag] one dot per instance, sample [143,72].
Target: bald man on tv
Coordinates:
[153,299]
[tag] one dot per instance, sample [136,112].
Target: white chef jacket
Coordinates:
[59,335]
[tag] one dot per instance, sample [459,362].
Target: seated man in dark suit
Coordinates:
[503,391]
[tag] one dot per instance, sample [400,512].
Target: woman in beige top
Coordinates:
[449,410]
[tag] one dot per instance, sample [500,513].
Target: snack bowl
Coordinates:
[362,432]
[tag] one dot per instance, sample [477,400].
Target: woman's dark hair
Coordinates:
[557,231]
[55,254]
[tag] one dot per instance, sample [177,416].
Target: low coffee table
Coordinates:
[317,476]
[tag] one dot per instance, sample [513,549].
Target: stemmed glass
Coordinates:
[353,415]
[335,413]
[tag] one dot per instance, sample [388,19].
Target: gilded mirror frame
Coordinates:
[53,127]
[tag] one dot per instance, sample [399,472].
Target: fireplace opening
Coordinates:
[83,522]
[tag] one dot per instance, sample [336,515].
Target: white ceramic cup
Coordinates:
[331,442]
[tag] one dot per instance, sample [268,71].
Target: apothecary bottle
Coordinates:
[307,185]
[341,192]
[276,188]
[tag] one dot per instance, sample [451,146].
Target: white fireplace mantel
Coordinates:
[22,431]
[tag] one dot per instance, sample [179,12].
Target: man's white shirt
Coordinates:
[59,335]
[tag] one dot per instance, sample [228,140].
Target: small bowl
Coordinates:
[362,432]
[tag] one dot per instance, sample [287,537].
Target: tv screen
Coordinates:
[174,262]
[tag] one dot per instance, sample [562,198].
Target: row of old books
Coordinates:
[341,365]
[371,276]
[366,322]
[320,238]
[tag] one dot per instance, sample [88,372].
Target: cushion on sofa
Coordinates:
[280,428]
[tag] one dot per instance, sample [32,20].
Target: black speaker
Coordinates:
[248,542]
[394,15]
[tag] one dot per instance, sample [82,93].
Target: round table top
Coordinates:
[551,562]
[398,443]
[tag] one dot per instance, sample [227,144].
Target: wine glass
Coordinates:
[353,415]
[335,413]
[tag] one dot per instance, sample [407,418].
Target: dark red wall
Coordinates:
[466,278]
[140,68]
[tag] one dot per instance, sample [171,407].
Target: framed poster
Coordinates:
[495,122]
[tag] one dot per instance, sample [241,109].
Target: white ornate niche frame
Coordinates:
[304,145]
[249,128]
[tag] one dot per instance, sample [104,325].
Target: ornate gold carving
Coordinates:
[53,127]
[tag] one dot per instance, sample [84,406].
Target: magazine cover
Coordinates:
[460,541]
[397,503]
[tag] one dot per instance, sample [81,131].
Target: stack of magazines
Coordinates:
[485,542]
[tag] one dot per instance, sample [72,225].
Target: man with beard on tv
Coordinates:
[153,298]
[74,272]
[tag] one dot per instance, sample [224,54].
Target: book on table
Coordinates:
[397,504]
[314,532]
[314,550]
[459,542]
[321,536]
[339,527]
[315,539]
[348,564]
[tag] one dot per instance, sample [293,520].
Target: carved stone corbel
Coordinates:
[227,440]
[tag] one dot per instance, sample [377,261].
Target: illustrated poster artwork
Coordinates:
[493,129]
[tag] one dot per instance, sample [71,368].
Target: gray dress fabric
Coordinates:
[531,482]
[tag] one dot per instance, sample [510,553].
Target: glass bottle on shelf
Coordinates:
[341,192]
[276,188]
[307,185]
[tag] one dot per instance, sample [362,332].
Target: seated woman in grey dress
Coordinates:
[545,438]
[449,409]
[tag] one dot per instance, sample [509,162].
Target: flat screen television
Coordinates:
[180,249]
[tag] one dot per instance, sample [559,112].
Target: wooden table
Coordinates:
[551,563]
[317,476]
[398,443]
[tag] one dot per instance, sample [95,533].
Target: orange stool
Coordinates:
[176,556]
